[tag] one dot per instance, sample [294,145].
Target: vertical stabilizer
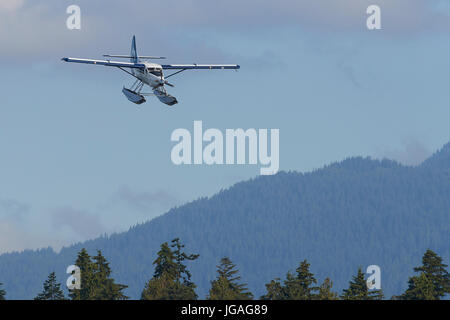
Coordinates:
[134,57]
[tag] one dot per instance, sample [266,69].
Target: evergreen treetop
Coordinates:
[306,280]
[165,263]
[52,289]
[274,290]
[325,291]
[433,281]
[358,290]
[181,270]
[299,286]
[105,287]
[171,279]
[226,286]
[96,281]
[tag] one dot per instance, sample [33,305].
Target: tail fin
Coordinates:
[134,57]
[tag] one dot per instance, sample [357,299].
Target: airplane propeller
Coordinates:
[163,82]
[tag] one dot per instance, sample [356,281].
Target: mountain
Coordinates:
[357,212]
[440,160]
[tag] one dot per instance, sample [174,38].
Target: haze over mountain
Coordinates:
[357,212]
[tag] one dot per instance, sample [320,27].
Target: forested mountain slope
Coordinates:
[354,213]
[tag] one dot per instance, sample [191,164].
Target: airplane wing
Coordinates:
[199,66]
[107,63]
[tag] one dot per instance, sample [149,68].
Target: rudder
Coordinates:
[134,57]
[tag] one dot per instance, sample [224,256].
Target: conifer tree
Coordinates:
[87,277]
[165,263]
[182,273]
[96,282]
[171,279]
[2,292]
[165,288]
[291,289]
[226,286]
[358,289]
[376,294]
[104,287]
[325,291]
[433,281]
[274,290]
[419,288]
[52,289]
[300,286]
[306,281]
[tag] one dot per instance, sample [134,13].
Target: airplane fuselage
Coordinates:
[152,75]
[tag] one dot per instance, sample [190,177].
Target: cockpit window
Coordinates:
[156,72]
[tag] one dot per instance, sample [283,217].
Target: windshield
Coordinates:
[155,72]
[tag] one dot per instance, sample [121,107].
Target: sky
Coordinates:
[78,160]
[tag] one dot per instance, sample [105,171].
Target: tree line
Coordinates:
[172,281]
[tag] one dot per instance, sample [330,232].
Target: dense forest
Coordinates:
[340,218]
[172,281]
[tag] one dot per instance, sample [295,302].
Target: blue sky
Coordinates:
[78,160]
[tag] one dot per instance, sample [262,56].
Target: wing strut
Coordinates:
[128,72]
[175,73]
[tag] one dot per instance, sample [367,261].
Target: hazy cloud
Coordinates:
[145,202]
[23,227]
[17,230]
[9,6]
[412,153]
[13,209]
[81,222]
[12,237]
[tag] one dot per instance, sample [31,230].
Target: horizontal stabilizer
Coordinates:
[129,57]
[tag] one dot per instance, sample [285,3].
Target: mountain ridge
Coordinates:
[352,213]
